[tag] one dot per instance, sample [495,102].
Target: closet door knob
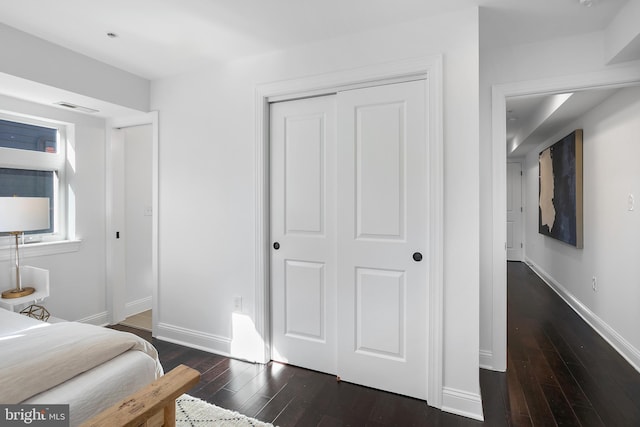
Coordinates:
[276,246]
[417,256]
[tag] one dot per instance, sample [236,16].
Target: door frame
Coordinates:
[429,68]
[615,77]
[115,269]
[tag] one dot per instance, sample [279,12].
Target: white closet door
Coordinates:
[349,197]
[303,227]
[382,238]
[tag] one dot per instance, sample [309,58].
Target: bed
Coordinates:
[88,367]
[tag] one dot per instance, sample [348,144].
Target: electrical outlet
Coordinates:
[237,304]
[594,284]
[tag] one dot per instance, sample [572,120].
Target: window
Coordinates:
[32,164]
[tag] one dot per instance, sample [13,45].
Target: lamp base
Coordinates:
[17,293]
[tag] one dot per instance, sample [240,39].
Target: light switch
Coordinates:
[631,202]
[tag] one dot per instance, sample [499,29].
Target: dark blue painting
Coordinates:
[560,195]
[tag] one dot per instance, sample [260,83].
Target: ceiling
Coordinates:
[533,120]
[158,38]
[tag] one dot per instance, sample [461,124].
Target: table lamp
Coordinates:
[17,215]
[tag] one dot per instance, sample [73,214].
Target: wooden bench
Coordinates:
[152,406]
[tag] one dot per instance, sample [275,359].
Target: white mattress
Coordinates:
[90,392]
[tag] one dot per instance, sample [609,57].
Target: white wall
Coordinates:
[207,183]
[137,232]
[611,232]
[77,279]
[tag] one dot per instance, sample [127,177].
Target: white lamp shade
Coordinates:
[24,213]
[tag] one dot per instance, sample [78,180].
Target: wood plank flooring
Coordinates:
[560,373]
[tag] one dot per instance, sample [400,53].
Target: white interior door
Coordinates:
[514,212]
[303,232]
[382,232]
[349,214]
[117,270]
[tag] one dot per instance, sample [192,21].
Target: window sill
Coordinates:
[31,250]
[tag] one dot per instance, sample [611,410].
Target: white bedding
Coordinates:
[12,322]
[94,390]
[90,393]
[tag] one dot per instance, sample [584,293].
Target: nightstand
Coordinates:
[37,278]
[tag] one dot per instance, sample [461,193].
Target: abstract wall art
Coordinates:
[560,197]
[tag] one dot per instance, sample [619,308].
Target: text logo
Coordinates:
[34,415]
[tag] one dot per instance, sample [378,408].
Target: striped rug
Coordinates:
[193,412]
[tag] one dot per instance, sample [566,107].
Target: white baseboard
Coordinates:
[486,359]
[617,341]
[100,319]
[462,403]
[194,339]
[138,306]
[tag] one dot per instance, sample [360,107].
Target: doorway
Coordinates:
[620,77]
[349,210]
[132,219]
[138,214]
[429,68]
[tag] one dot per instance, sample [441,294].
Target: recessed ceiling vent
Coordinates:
[76,107]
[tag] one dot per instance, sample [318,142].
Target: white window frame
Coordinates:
[37,160]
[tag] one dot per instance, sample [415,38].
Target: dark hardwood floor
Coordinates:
[560,372]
